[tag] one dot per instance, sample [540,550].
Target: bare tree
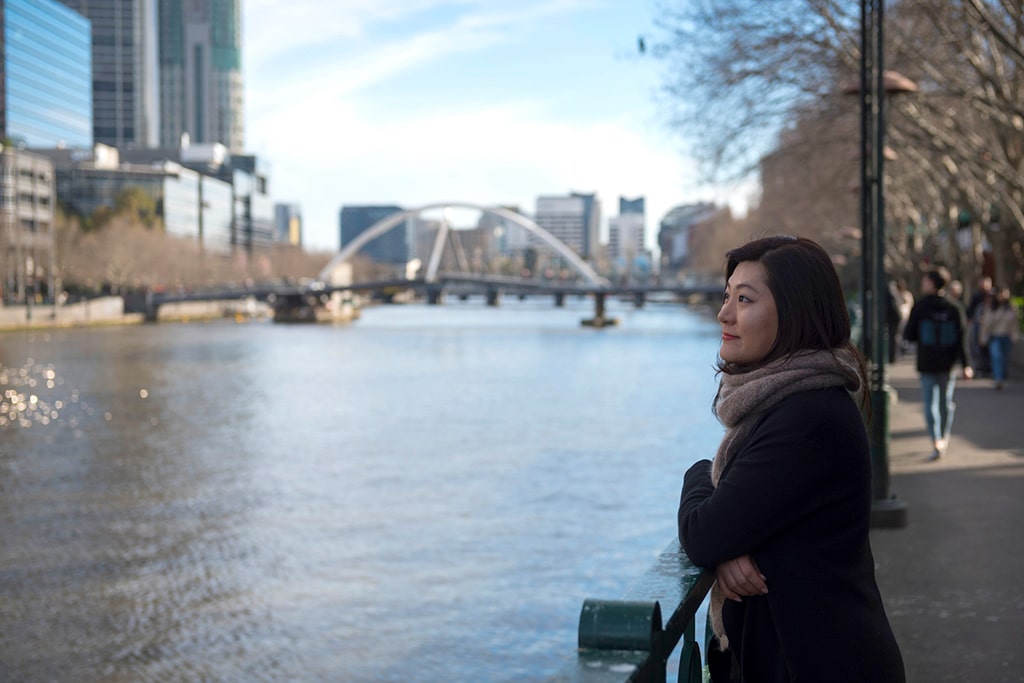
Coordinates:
[966,126]
[126,256]
[738,69]
[712,239]
[762,80]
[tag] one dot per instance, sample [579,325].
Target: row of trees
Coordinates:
[124,248]
[759,87]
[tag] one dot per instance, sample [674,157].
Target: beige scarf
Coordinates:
[742,398]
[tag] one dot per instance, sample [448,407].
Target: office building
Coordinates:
[88,181]
[574,219]
[391,247]
[200,70]
[27,201]
[164,70]
[563,217]
[254,209]
[220,199]
[506,237]
[190,204]
[248,176]
[631,206]
[592,221]
[45,75]
[125,101]
[625,238]
[216,215]
[288,224]
[677,231]
[626,234]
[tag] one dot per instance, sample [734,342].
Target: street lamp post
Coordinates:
[887,510]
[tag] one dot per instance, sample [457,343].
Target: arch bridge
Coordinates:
[448,269]
[447,237]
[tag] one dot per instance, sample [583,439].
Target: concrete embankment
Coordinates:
[110,311]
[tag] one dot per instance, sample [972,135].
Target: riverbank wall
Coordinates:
[107,310]
[110,310]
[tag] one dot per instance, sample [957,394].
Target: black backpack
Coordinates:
[941,328]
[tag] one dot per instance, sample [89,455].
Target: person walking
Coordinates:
[980,301]
[906,304]
[938,325]
[1000,328]
[783,512]
[893,319]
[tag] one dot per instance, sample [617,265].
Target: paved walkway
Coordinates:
[953,578]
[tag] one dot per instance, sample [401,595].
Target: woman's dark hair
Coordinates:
[809,300]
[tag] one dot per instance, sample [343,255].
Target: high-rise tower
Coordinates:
[45,101]
[125,103]
[201,72]
[626,232]
[574,219]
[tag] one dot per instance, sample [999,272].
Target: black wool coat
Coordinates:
[796,496]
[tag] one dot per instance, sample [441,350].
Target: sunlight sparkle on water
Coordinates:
[30,397]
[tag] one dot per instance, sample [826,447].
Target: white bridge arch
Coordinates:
[384,225]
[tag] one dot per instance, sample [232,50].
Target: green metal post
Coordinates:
[886,510]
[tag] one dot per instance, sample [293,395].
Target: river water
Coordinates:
[427,494]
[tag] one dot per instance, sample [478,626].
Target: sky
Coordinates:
[491,102]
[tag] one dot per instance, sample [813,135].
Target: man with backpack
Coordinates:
[938,325]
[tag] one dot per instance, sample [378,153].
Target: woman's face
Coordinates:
[750,321]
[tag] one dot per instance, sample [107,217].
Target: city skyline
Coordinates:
[413,102]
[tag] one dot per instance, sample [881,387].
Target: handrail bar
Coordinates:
[624,641]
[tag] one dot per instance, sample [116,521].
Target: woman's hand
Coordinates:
[740,576]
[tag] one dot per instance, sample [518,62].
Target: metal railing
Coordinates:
[625,641]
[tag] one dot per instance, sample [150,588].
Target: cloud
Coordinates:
[295,51]
[328,142]
[277,32]
[272,29]
[503,154]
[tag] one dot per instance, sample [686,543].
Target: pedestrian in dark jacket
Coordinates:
[939,327]
[783,512]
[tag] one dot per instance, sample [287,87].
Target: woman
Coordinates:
[999,330]
[783,512]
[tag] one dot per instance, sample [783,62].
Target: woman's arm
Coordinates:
[697,488]
[739,576]
[808,452]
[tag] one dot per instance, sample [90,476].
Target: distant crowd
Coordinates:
[992,319]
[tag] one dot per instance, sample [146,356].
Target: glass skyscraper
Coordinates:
[165,71]
[201,72]
[46,84]
[124,71]
[391,247]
